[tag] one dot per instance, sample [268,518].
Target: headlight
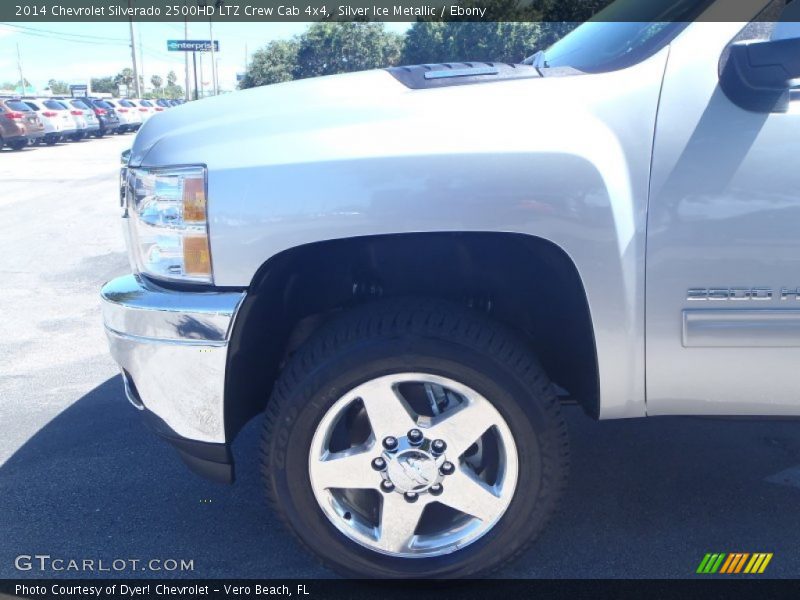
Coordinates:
[167,220]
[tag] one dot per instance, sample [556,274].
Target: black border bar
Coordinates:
[711,588]
[363,10]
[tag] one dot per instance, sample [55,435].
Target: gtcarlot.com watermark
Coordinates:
[45,563]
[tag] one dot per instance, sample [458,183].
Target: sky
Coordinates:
[73,52]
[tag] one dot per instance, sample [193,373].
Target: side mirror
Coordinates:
[759,76]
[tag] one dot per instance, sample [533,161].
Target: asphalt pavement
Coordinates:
[82,478]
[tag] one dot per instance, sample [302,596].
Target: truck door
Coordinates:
[723,239]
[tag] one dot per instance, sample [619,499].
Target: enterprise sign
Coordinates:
[191,45]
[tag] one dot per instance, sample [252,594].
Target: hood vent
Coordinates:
[419,77]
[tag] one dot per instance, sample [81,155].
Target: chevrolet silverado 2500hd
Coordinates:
[410,269]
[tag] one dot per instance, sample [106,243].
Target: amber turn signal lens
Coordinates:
[196,255]
[194,200]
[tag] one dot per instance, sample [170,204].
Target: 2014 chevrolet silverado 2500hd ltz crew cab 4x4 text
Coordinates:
[408,270]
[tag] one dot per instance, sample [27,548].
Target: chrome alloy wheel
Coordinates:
[413,465]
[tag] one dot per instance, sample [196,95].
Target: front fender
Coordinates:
[564,159]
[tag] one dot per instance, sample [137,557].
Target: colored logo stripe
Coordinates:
[710,563]
[758,563]
[734,562]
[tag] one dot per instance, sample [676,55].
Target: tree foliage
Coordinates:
[324,49]
[273,63]
[573,11]
[172,89]
[424,43]
[464,41]
[24,84]
[110,85]
[328,48]
[60,88]
[501,41]
[124,77]
[520,29]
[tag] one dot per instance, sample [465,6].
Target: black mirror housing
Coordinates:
[758,74]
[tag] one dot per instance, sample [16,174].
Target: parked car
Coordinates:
[78,121]
[145,108]
[106,115]
[85,120]
[58,123]
[410,299]
[163,103]
[130,118]
[19,124]
[92,122]
[151,106]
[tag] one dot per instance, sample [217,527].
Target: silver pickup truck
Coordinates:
[409,270]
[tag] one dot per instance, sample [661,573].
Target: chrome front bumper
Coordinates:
[172,348]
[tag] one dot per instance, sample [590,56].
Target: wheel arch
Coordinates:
[527,282]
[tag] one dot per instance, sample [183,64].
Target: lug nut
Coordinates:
[411,496]
[438,446]
[387,486]
[436,489]
[447,468]
[415,437]
[378,464]
[390,443]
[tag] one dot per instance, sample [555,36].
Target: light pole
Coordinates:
[218,4]
[141,61]
[202,88]
[213,60]
[194,66]
[133,53]
[204,4]
[21,76]
[186,54]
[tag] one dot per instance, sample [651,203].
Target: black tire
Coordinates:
[415,335]
[18,145]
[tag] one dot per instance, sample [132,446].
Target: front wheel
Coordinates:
[414,438]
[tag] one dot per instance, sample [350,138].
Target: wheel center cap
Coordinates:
[412,471]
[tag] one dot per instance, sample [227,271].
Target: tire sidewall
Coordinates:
[331,379]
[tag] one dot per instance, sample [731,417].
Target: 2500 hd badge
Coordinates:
[742,293]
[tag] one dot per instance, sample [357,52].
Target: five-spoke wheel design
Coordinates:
[413,465]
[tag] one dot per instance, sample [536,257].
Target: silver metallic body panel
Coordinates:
[724,211]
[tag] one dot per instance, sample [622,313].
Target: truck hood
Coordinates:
[263,112]
[195,132]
